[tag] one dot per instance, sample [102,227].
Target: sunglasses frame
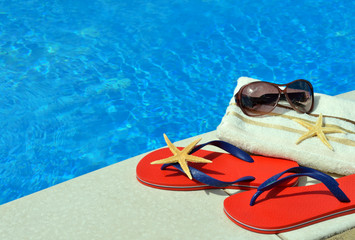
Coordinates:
[238,96]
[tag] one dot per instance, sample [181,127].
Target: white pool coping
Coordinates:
[110,204]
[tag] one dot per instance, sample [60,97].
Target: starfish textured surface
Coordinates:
[181,157]
[317,130]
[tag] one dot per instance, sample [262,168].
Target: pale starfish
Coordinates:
[181,157]
[318,130]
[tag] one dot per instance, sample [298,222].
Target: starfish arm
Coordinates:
[171,159]
[323,138]
[171,146]
[196,159]
[305,136]
[185,168]
[319,121]
[332,130]
[188,149]
[303,123]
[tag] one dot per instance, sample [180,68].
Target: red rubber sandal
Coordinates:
[236,169]
[275,209]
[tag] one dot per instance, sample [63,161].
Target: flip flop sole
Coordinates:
[285,209]
[224,167]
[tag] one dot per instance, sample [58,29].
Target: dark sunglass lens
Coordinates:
[259,98]
[301,95]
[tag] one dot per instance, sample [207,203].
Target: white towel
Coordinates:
[276,135]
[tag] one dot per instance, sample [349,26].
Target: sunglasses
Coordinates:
[260,98]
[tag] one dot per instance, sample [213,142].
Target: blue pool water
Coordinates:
[85,84]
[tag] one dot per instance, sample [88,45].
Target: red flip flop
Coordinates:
[283,209]
[222,172]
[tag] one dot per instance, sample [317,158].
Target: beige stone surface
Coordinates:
[348,235]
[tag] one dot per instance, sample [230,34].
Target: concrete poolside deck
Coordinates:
[111,204]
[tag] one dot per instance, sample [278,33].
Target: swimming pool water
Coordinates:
[85,84]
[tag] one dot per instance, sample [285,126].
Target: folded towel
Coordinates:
[276,134]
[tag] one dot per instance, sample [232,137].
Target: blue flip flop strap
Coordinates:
[204,178]
[235,151]
[208,180]
[327,180]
